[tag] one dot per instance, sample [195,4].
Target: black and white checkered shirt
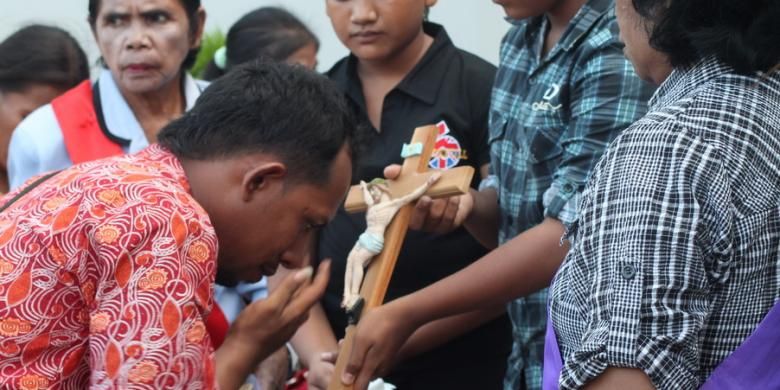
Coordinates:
[676,255]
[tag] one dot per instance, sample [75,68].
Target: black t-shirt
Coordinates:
[449,88]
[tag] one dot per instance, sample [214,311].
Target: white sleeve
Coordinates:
[36,147]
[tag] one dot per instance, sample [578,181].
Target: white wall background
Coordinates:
[474,25]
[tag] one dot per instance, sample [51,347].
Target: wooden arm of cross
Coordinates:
[455,181]
[414,172]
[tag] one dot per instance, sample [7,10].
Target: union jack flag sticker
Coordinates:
[446,151]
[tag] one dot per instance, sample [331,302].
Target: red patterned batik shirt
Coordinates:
[106,276]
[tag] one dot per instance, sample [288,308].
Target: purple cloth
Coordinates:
[753,365]
[553,364]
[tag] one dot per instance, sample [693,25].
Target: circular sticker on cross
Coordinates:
[446,152]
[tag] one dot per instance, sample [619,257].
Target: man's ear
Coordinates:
[201,23]
[262,177]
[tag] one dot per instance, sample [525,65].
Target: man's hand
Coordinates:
[378,338]
[268,324]
[264,326]
[438,216]
[321,370]
[274,370]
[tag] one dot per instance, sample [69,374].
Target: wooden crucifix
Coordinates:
[414,174]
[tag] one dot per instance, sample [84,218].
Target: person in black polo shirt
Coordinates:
[403,73]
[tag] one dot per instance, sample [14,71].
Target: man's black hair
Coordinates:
[744,34]
[262,107]
[191,7]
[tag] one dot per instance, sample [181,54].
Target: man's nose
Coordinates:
[299,253]
[363,12]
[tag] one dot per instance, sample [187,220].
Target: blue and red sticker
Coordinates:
[447,151]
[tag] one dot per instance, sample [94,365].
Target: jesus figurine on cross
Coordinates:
[390,202]
[380,212]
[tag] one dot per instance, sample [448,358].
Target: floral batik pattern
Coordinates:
[106,276]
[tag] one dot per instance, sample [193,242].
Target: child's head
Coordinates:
[37,63]
[522,9]
[375,30]
[270,33]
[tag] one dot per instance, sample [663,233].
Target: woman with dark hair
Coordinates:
[37,63]
[671,281]
[146,47]
[672,275]
[271,33]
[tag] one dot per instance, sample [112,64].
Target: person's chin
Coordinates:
[253,275]
[372,53]
[142,84]
[515,12]
[225,279]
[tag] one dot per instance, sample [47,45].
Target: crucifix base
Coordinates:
[353,313]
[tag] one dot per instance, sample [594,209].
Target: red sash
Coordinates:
[83,137]
[217,326]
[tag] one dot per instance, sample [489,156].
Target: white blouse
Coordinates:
[37,144]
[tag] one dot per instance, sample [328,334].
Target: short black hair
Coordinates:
[191,7]
[744,34]
[40,54]
[266,107]
[269,32]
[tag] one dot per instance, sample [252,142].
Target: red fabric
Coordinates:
[298,381]
[106,275]
[83,137]
[217,326]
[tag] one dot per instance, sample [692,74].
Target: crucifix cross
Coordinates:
[414,174]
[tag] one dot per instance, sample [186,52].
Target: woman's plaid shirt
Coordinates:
[676,254]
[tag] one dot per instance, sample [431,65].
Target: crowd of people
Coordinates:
[622,230]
